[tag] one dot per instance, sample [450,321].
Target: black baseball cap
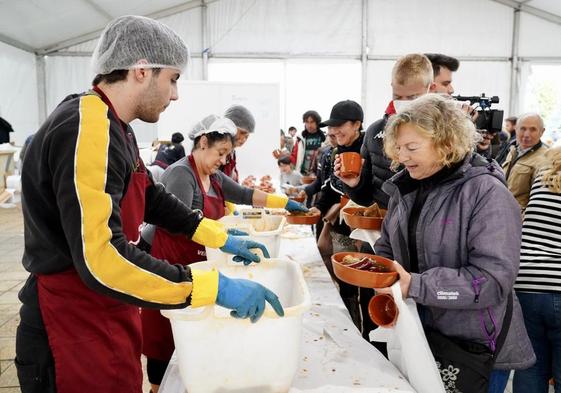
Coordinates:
[342,112]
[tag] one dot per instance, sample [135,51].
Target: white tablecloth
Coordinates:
[335,357]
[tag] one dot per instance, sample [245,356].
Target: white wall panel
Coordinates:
[539,37]
[285,26]
[64,76]
[18,84]
[454,27]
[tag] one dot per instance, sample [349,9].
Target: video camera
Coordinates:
[488,119]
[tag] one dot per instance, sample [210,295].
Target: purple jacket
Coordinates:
[468,246]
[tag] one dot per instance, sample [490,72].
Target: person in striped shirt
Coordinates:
[538,285]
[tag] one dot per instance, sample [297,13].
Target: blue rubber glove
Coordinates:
[240,248]
[245,298]
[293,206]
[237,232]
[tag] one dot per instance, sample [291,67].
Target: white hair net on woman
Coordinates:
[213,123]
[128,39]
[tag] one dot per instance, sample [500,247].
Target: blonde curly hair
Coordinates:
[552,175]
[440,119]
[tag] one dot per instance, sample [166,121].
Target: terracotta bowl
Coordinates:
[302,220]
[362,278]
[298,198]
[354,221]
[351,163]
[382,310]
[308,179]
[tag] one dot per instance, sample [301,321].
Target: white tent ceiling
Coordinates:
[45,46]
[44,26]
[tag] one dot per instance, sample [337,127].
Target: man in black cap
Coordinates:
[345,122]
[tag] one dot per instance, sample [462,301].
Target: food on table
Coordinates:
[371,211]
[265,183]
[365,264]
[303,214]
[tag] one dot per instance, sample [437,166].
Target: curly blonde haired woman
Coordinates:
[538,285]
[454,228]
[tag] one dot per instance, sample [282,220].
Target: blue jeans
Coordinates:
[542,316]
[498,381]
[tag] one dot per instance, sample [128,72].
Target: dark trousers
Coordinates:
[364,296]
[34,360]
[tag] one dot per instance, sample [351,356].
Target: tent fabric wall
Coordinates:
[539,38]
[329,27]
[18,84]
[458,28]
[479,32]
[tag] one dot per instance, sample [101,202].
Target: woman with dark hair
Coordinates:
[197,181]
[168,153]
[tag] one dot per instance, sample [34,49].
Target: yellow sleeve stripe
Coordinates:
[276,201]
[102,259]
[205,287]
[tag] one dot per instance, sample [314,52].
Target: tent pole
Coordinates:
[204,35]
[515,65]
[364,54]
[41,88]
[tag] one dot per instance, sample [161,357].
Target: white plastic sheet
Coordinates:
[408,348]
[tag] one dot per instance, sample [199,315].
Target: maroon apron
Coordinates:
[157,338]
[96,340]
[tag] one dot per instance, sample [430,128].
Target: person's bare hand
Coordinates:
[470,111]
[404,281]
[351,182]
[314,210]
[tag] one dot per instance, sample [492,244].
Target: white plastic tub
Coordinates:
[265,230]
[221,354]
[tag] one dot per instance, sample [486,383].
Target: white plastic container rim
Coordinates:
[196,314]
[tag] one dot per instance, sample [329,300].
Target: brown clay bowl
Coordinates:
[351,164]
[302,220]
[308,179]
[362,278]
[382,310]
[354,221]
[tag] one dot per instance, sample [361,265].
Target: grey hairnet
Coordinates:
[128,39]
[241,117]
[213,123]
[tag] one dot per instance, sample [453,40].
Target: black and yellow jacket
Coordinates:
[74,176]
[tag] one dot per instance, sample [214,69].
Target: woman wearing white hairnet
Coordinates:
[197,182]
[85,194]
[245,125]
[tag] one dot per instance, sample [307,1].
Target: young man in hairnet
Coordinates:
[85,196]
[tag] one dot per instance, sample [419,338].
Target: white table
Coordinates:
[335,357]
